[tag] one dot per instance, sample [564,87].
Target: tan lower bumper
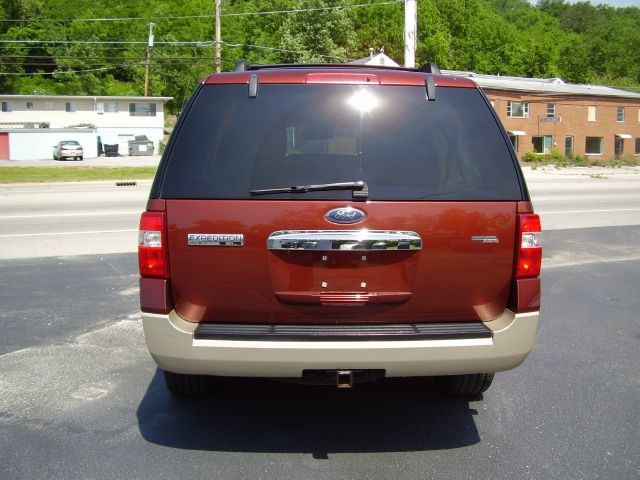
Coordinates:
[173,347]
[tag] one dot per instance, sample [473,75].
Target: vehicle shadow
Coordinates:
[394,415]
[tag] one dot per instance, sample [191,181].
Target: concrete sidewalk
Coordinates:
[142,161]
[553,171]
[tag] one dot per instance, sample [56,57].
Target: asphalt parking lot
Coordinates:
[81,398]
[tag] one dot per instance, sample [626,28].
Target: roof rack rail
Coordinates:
[242,66]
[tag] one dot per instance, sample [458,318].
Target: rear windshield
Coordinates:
[402,145]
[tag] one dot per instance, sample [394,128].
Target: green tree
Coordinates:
[318,36]
[579,42]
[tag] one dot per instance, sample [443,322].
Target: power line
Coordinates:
[208,43]
[226,60]
[317,9]
[70,57]
[114,42]
[59,72]
[204,16]
[107,45]
[235,45]
[98,61]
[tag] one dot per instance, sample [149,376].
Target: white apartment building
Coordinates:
[31,124]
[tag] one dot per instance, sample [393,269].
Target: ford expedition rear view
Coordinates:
[337,224]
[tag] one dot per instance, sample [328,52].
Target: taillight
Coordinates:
[152,246]
[529,257]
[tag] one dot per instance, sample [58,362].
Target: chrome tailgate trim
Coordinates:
[345,240]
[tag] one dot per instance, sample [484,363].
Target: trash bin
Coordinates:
[141,145]
[111,150]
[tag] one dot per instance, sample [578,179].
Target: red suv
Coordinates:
[337,223]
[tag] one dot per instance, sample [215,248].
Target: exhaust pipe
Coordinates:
[344,379]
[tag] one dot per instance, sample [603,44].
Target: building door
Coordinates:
[4,146]
[619,146]
[568,146]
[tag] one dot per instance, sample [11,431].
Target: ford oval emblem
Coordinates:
[345,215]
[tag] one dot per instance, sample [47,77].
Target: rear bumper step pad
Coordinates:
[413,331]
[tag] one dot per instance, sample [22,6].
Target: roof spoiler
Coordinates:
[244,66]
[430,67]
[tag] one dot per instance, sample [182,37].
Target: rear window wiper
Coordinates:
[359,188]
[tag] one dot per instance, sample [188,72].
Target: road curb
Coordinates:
[129,183]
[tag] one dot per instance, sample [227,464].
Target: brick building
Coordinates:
[543,114]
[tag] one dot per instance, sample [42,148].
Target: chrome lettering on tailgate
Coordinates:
[216,239]
[485,239]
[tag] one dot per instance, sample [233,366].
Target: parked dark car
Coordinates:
[67,149]
[336,224]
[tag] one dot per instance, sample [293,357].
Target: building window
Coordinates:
[618,148]
[594,145]
[6,107]
[620,114]
[518,109]
[106,107]
[542,144]
[70,107]
[591,113]
[29,105]
[637,146]
[568,146]
[111,107]
[142,109]
[514,141]
[551,110]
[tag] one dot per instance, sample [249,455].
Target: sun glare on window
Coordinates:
[363,101]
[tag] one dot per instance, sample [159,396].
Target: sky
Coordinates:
[622,3]
[618,3]
[613,3]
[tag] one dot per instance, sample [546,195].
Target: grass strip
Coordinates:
[73,174]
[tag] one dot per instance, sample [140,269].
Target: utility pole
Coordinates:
[218,49]
[149,47]
[410,33]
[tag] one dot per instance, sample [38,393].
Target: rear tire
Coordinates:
[182,384]
[471,384]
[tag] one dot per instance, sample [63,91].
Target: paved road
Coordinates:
[580,198]
[93,218]
[70,219]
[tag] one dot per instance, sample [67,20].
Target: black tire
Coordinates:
[80,158]
[471,384]
[183,384]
